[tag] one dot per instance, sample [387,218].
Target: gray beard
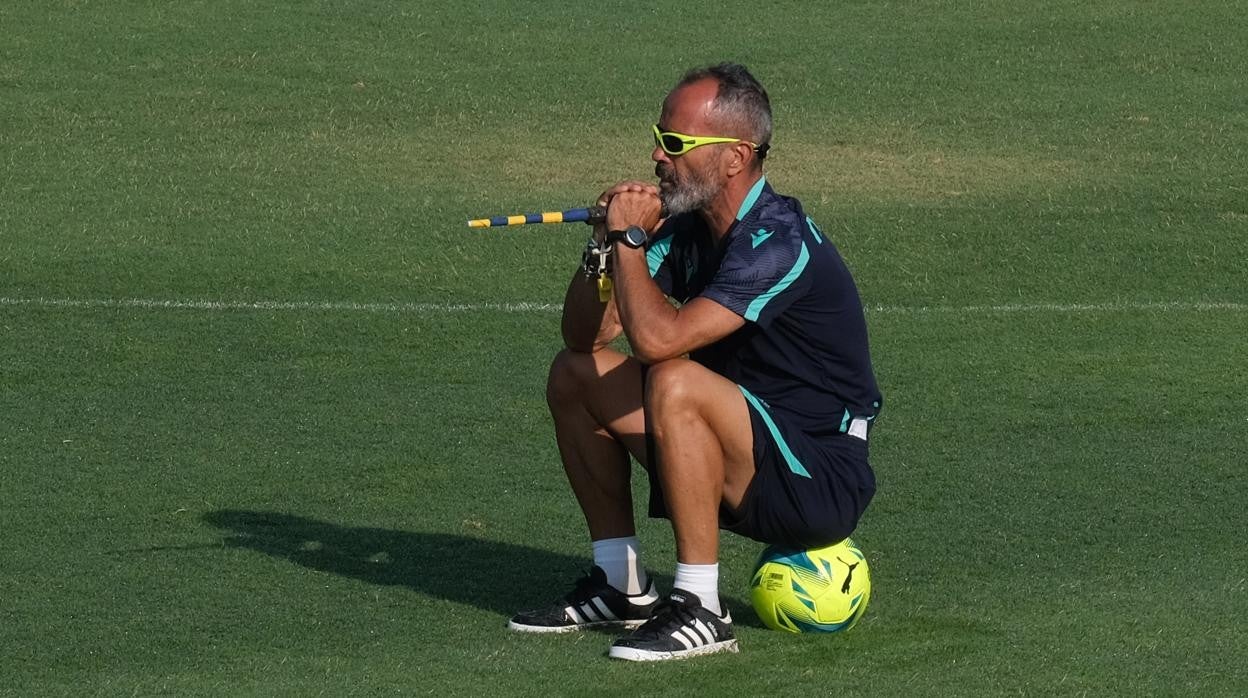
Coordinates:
[694,192]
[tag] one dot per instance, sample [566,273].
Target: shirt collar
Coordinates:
[751,198]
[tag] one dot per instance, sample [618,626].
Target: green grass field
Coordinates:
[272,418]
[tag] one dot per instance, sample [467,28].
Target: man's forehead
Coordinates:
[689,106]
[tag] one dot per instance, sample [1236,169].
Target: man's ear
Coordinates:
[738,158]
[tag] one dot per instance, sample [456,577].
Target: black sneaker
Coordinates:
[680,627]
[592,604]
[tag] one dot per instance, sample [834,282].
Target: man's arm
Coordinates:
[656,330]
[588,323]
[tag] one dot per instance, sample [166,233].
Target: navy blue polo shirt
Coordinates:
[803,350]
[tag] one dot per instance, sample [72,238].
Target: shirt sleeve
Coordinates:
[762,273]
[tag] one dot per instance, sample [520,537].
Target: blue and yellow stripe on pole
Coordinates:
[593,214]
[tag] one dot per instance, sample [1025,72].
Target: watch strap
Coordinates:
[623,236]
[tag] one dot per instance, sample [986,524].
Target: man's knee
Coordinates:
[565,383]
[672,385]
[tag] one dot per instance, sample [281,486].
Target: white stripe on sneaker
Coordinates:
[591,614]
[680,636]
[707,636]
[574,615]
[602,609]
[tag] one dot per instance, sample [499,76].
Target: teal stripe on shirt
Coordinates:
[751,198]
[656,254]
[756,306]
[794,464]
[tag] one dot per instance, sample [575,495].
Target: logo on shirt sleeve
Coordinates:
[760,237]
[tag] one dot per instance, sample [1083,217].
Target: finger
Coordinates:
[605,198]
[636,186]
[647,192]
[628,186]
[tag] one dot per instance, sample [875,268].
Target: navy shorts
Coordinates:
[807,491]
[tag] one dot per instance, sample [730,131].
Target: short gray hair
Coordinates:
[741,102]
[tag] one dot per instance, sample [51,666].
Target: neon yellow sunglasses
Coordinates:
[674,143]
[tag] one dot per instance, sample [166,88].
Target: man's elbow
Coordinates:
[587,347]
[579,346]
[586,343]
[652,351]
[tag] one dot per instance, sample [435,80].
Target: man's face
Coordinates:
[691,181]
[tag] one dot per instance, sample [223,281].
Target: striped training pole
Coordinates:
[594,214]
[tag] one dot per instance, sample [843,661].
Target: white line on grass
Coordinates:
[1120,307]
[331,306]
[531,307]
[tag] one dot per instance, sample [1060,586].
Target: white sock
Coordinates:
[620,558]
[702,580]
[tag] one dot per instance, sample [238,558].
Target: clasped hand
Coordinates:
[631,203]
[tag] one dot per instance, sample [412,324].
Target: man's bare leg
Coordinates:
[596,402]
[705,460]
[705,450]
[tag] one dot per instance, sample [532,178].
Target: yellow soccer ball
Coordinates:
[820,590]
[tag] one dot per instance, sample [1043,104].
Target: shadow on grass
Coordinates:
[500,577]
[488,574]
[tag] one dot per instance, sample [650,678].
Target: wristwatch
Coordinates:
[633,237]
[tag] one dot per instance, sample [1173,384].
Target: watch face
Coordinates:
[635,236]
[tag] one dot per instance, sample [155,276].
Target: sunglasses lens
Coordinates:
[671,144]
